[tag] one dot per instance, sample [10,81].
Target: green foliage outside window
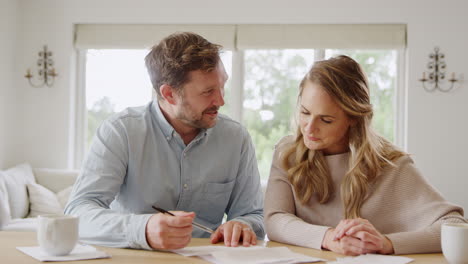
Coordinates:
[380,67]
[270,93]
[100,111]
[271,87]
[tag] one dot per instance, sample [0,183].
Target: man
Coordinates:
[177,153]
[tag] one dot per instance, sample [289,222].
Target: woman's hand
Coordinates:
[356,237]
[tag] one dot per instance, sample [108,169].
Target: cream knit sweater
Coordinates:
[401,204]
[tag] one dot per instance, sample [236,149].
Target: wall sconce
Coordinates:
[436,73]
[45,70]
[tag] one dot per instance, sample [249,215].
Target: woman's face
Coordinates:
[323,123]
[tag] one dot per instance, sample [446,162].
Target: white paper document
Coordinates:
[246,255]
[372,259]
[78,253]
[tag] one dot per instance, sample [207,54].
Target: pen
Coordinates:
[202,227]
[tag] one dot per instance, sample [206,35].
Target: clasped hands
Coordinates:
[173,232]
[355,237]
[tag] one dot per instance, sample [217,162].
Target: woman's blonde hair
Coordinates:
[344,80]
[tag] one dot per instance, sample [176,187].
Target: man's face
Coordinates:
[201,98]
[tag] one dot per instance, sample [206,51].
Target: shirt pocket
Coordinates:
[215,200]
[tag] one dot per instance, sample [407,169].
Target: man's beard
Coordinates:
[188,116]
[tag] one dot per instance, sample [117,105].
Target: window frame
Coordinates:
[77,154]
[79,126]
[400,99]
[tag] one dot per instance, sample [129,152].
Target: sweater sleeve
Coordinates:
[281,223]
[420,210]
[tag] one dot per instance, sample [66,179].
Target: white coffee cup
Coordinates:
[57,234]
[454,240]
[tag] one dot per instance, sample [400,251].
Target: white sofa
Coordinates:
[46,190]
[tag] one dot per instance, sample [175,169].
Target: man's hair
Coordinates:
[170,61]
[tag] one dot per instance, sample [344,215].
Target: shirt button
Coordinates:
[168,138]
[185,186]
[185,154]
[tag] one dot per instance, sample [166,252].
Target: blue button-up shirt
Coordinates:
[137,160]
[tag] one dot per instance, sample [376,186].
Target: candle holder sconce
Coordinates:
[46,71]
[436,72]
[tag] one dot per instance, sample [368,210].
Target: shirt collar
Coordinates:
[166,128]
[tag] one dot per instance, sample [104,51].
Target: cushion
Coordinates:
[63,196]
[15,180]
[43,201]
[55,179]
[25,224]
[5,214]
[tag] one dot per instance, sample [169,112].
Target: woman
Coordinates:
[337,185]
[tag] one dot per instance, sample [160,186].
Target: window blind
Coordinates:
[343,36]
[281,36]
[115,36]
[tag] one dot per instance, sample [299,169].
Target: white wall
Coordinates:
[8,15]
[436,122]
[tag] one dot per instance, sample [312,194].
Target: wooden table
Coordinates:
[10,255]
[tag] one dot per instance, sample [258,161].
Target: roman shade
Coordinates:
[343,36]
[231,37]
[118,36]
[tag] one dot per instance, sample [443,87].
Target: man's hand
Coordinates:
[169,232]
[356,237]
[232,232]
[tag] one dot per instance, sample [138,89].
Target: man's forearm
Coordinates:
[105,227]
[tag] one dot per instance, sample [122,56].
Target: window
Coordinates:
[271,87]
[117,79]
[271,81]
[265,64]
[381,69]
